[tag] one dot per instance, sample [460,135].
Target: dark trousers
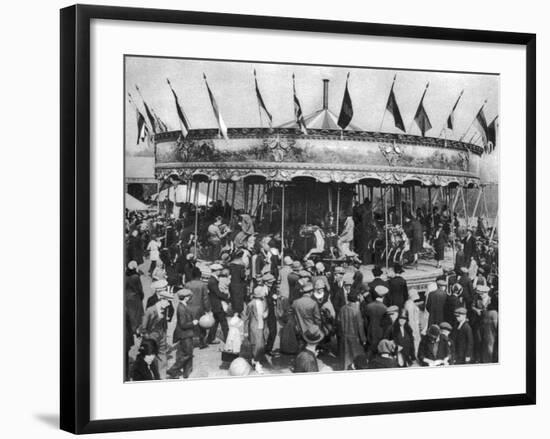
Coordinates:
[184,359]
[220,319]
[272,328]
[152,267]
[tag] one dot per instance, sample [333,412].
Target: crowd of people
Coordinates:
[321,313]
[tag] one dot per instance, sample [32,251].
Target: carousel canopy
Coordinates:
[132,203]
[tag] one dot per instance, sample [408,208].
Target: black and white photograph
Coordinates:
[294,218]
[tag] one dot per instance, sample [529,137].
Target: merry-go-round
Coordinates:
[302,187]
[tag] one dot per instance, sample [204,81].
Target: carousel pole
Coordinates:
[494,227]
[386,226]
[225,198]
[329,192]
[464,207]
[282,220]
[234,189]
[251,198]
[245,196]
[477,201]
[338,209]
[197,185]
[271,203]
[188,195]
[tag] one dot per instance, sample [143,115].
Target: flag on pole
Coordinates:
[298,109]
[451,118]
[184,124]
[261,101]
[217,114]
[393,108]
[346,112]
[148,112]
[481,123]
[160,123]
[492,136]
[421,117]
[141,127]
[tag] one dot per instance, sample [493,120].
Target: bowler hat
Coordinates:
[434,331]
[184,292]
[313,336]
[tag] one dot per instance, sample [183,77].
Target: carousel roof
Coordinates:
[322,119]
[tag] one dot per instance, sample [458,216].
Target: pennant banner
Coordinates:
[261,101]
[184,124]
[393,108]
[421,117]
[298,109]
[217,114]
[346,112]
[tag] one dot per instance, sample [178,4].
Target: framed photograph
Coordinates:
[273,218]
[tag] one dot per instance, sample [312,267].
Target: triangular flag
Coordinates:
[298,109]
[421,117]
[184,124]
[217,114]
[451,118]
[261,100]
[393,108]
[346,112]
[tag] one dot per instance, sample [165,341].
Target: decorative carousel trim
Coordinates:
[321,134]
[324,173]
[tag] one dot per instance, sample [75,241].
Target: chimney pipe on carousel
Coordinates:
[325,94]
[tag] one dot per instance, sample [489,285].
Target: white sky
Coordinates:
[233,86]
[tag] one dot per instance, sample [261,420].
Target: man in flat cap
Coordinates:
[462,337]
[398,287]
[435,303]
[374,319]
[216,297]
[155,325]
[306,310]
[183,336]
[337,293]
[433,351]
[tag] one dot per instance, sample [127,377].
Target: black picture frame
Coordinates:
[75,217]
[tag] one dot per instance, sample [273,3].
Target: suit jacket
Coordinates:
[184,326]
[426,350]
[463,342]
[141,372]
[200,302]
[308,315]
[293,286]
[467,289]
[469,248]
[337,297]
[215,295]
[436,306]
[374,317]
[399,292]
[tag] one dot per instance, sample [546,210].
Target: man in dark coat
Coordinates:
[433,350]
[183,336]
[293,284]
[463,338]
[337,294]
[135,248]
[467,287]
[199,303]
[460,258]
[399,293]
[435,304]
[216,296]
[377,273]
[374,319]
[440,241]
[306,310]
[469,243]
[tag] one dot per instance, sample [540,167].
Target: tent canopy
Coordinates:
[132,203]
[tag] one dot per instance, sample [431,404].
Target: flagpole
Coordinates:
[180,107]
[385,107]
[419,104]
[259,107]
[444,128]
[475,117]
